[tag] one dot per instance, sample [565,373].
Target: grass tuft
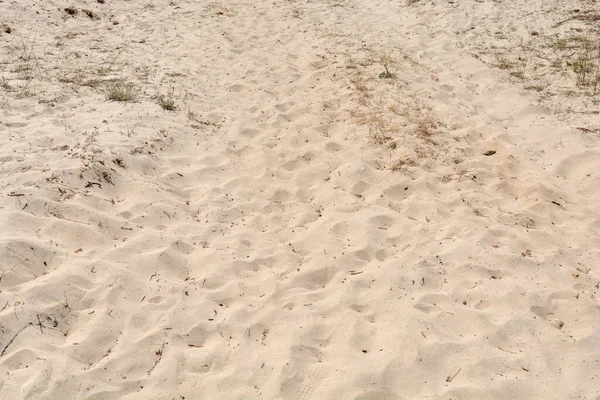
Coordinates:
[167,103]
[121,91]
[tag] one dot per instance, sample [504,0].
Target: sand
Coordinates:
[302,200]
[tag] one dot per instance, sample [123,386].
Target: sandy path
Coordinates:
[255,244]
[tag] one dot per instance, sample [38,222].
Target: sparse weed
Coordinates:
[587,66]
[386,61]
[167,102]
[360,84]
[395,120]
[423,120]
[555,62]
[401,164]
[380,127]
[106,67]
[379,131]
[425,126]
[121,91]
[423,152]
[93,83]
[5,85]
[503,63]
[191,115]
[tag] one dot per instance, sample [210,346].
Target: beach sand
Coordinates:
[298,200]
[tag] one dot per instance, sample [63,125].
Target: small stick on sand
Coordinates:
[450,378]
[40,323]
[159,353]
[508,351]
[13,339]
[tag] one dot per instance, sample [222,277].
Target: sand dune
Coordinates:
[300,200]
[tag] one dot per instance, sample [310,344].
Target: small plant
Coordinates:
[191,114]
[121,91]
[587,66]
[425,127]
[361,87]
[503,63]
[387,74]
[385,61]
[379,129]
[5,85]
[359,84]
[561,44]
[167,103]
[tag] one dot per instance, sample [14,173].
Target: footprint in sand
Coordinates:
[306,373]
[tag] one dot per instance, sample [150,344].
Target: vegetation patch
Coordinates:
[121,91]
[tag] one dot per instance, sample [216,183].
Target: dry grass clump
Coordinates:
[586,65]
[386,61]
[121,91]
[402,163]
[361,88]
[561,61]
[425,125]
[381,129]
[395,120]
[21,69]
[398,164]
[29,68]
[502,62]
[167,103]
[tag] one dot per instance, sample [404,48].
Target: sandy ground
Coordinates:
[339,200]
